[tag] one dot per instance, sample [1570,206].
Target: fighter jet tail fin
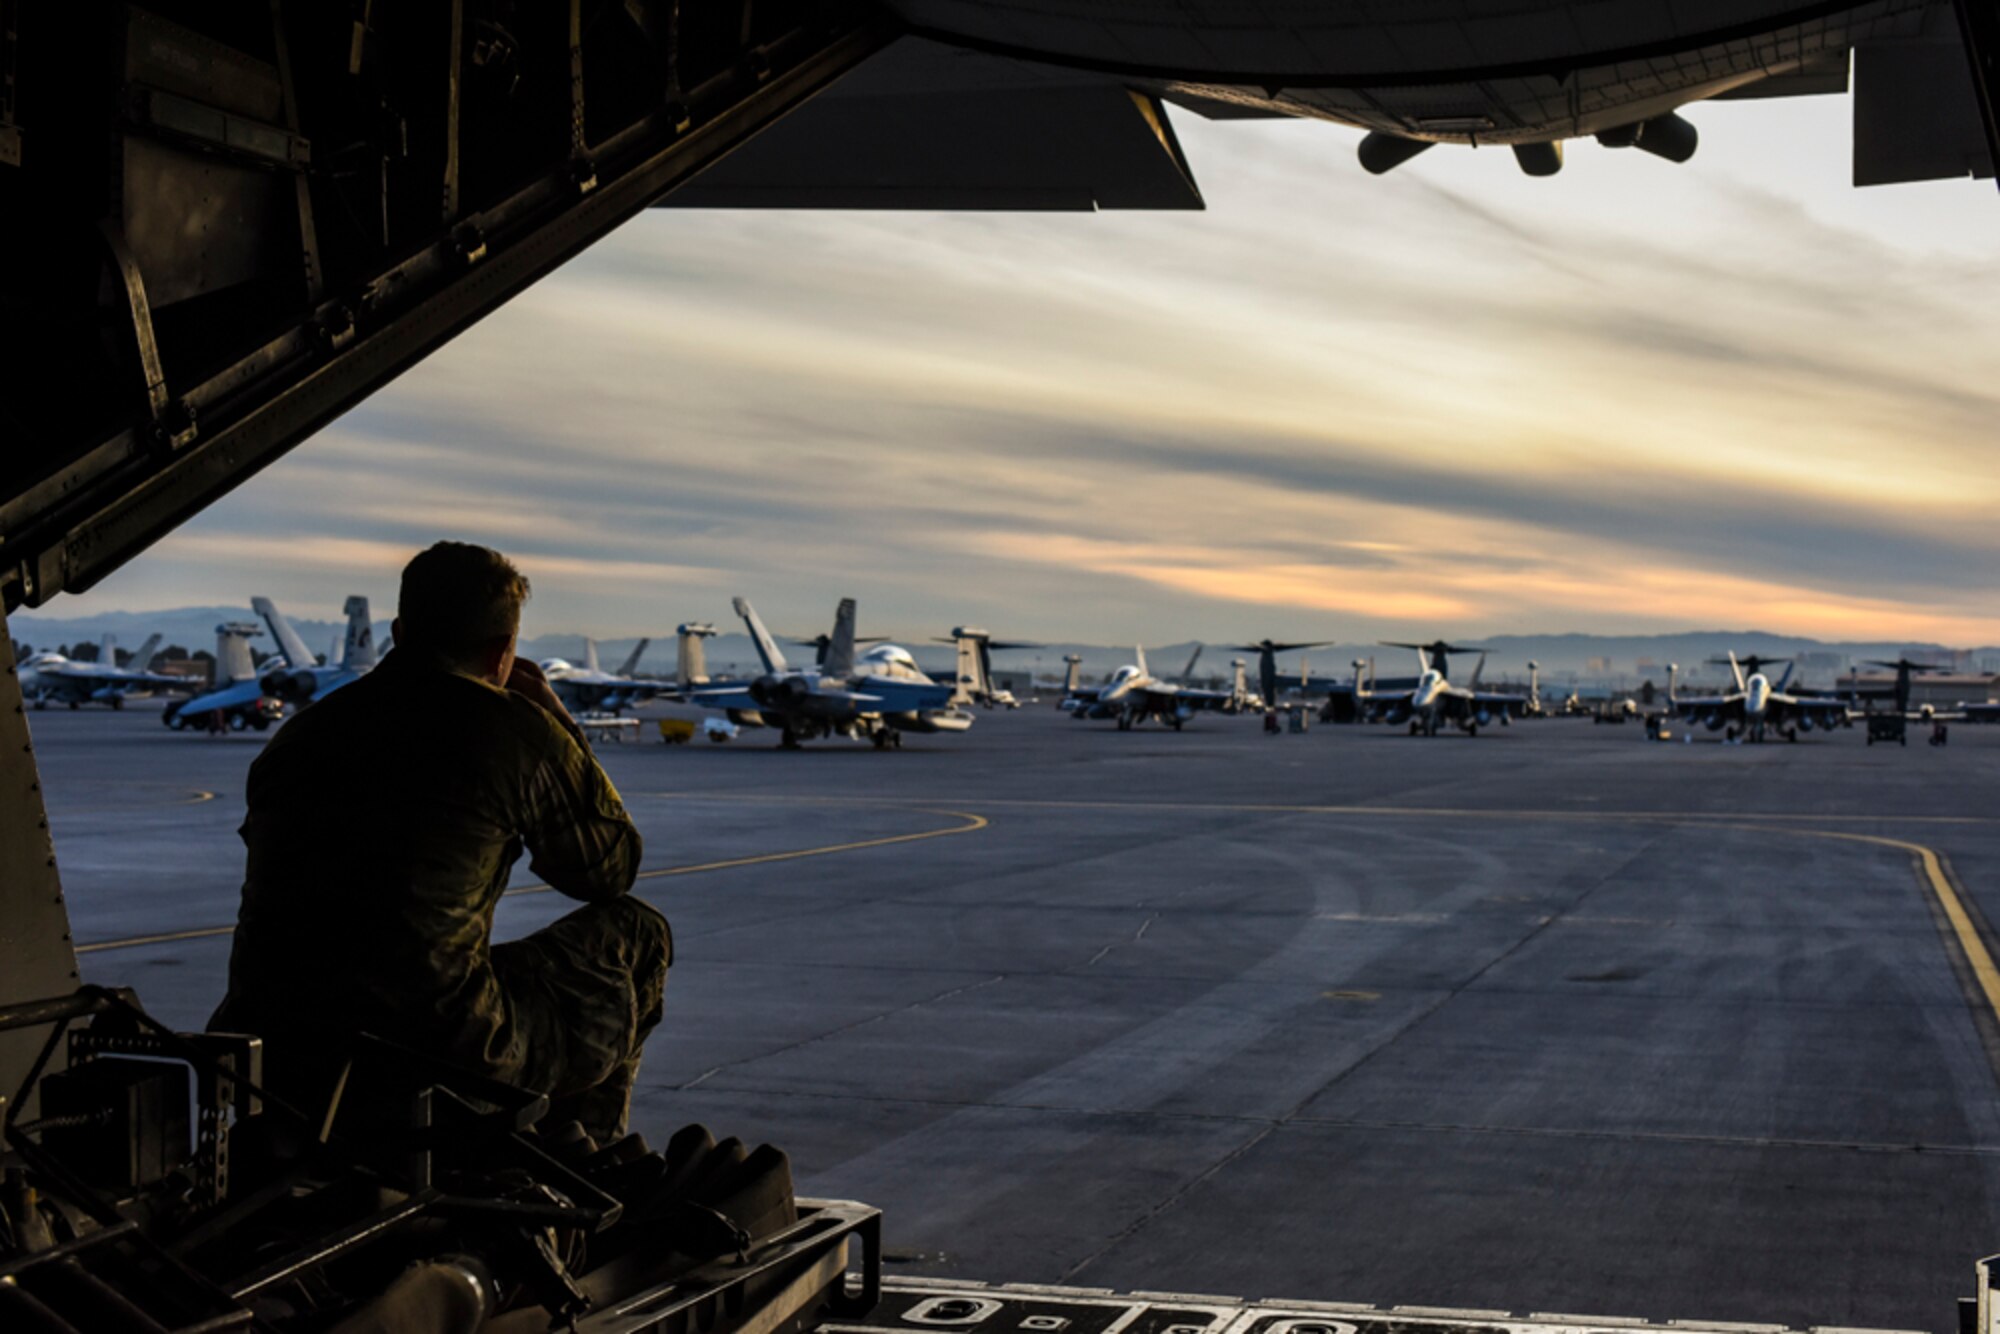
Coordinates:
[1736,670]
[1139,657]
[107,651]
[358,654]
[839,661]
[233,662]
[1478,670]
[289,643]
[143,659]
[767,647]
[631,663]
[1786,679]
[1187,672]
[590,655]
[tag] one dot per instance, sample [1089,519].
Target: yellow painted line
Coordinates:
[972,823]
[1402,812]
[199,933]
[1929,862]
[1970,942]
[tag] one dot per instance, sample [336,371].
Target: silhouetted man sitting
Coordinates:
[383,822]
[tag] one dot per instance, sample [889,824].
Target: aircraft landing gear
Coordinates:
[74,706]
[1416,727]
[1791,734]
[1472,729]
[1729,734]
[1174,723]
[1124,722]
[117,701]
[788,740]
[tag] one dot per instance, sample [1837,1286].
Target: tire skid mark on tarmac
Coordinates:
[971,824]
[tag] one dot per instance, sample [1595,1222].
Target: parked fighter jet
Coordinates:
[1134,694]
[1434,701]
[302,679]
[237,692]
[878,696]
[1756,705]
[591,687]
[50,676]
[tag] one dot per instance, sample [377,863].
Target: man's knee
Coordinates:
[646,928]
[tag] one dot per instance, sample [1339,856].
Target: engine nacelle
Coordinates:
[1805,722]
[1483,717]
[293,687]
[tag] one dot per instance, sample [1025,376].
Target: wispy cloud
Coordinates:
[1635,397]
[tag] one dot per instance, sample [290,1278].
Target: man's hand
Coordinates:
[527,681]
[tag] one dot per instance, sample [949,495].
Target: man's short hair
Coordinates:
[458,598]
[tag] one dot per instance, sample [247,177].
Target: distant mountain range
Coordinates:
[1564,658]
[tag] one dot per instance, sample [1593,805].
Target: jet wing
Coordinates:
[1202,699]
[1690,705]
[229,697]
[732,696]
[1980,713]
[895,696]
[1514,706]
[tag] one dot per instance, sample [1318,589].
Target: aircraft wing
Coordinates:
[895,696]
[729,695]
[229,697]
[1819,708]
[1200,699]
[1689,706]
[1980,713]
[1514,706]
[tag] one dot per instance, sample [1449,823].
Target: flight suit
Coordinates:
[383,823]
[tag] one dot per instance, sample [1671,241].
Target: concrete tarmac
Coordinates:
[1553,1019]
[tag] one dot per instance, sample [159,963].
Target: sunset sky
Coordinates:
[1635,397]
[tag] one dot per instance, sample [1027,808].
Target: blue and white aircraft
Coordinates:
[1132,694]
[591,688]
[876,697]
[1433,702]
[302,679]
[1757,705]
[238,690]
[51,677]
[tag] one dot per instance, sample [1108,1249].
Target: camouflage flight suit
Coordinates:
[382,824]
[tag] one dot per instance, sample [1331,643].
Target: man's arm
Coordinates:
[583,842]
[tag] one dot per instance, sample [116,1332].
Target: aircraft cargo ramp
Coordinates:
[976,1308]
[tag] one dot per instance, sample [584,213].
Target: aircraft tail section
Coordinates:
[1072,673]
[973,681]
[691,666]
[359,653]
[767,647]
[1478,670]
[1187,672]
[1239,681]
[143,659]
[1736,670]
[233,662]
[631,663]
[839,661]
[107,651]
[1139,657]
[289,643]
[590,655]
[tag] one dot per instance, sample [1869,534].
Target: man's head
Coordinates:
[462,603]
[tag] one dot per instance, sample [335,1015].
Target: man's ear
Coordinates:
[493,658]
